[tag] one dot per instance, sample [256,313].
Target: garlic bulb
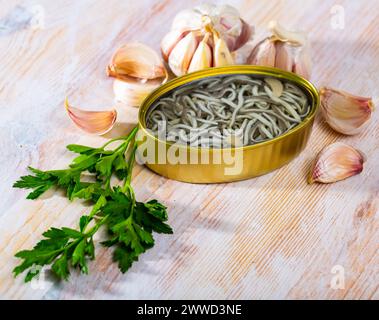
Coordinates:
[138,70]
[202,32]
[344,112]
[287,50]
[336,162]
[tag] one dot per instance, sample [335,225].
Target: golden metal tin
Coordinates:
[256,159]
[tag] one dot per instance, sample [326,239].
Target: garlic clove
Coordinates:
[344,112]
[202,57]
[246,34]
[296,38]
[275,85]
[336,162]
[180,57]
[169,41]
[283,57]
[263,54]
[136,60]
[96,122]
[132,92]
[221,53]
[303,63]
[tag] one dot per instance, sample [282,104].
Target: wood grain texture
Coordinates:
[269,237]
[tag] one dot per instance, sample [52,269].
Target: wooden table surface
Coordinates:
[269,237]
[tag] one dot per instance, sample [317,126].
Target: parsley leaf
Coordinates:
[77,148]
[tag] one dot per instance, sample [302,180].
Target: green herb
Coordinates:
[129,224]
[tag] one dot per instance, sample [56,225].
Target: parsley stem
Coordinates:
[128,137]
[127,184]
[131,164]
[96,227]
[86,235]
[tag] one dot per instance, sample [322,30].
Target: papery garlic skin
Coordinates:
[284,49]
[131,92]
[138,70]
[344,112]
[227,32]
[95,122]
[336,162]
[296,38]
[225,19]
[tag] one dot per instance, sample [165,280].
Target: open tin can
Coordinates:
[212,165]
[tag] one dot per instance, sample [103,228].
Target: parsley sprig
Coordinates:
[129,223]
